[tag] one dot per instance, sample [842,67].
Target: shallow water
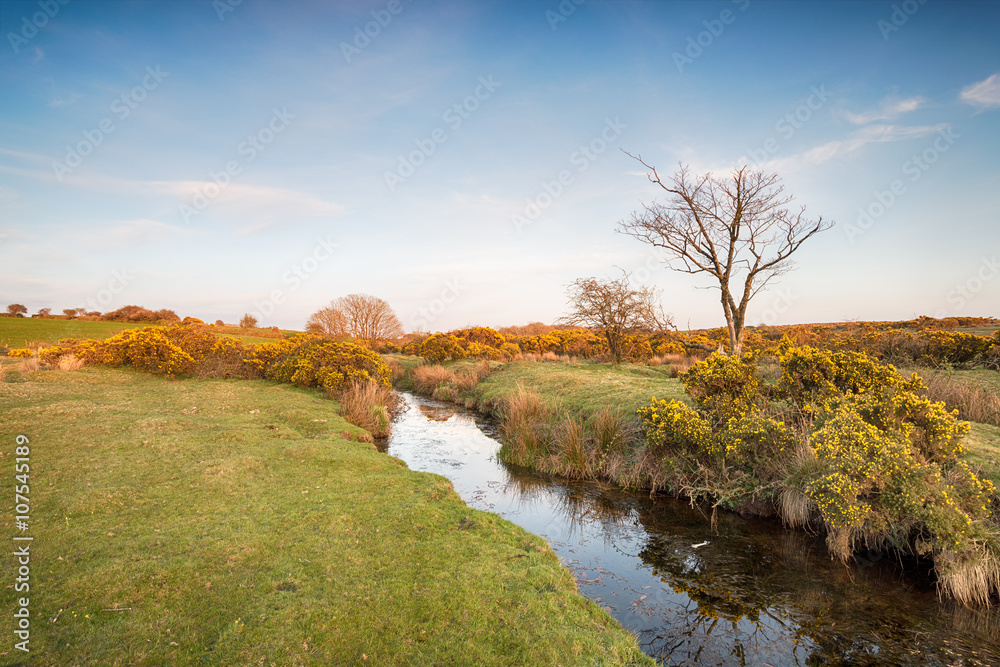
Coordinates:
[747,593]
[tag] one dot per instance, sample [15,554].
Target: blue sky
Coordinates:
[463,160]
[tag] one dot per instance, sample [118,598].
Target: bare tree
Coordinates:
[17,310]
[616,309]
[735,229]
[248,321]
[360,316]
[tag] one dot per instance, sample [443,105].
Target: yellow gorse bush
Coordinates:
[884,465]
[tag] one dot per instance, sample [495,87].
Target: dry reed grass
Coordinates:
[370,405]
[794,507]
[397,370]
[969,578]
[29,365]
[69,362]
[573,455]
[975,401]
[613,431]
[524,427]
[428,378]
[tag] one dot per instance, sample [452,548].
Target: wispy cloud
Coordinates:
[889,108]
[985,94]
[845,148]
[72,98]
[143,230]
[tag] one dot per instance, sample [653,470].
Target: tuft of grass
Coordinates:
[369,405]
[613,430]
[396,368]
[29,365]
[574,456]
[427,379]
[69,362]
[221,522]
[524,428]
[970,578]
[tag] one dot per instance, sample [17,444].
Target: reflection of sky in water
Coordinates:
[755,594]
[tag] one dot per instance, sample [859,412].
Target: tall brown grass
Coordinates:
[612,430]
[428,378]
[573,455]
[3,372]
[975,401]
[370,405]
[397,370]
[524,427]
[969,578]
[29,365]
[69,362]
[678,363]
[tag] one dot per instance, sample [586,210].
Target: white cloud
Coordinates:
[843,148]
[888,108]
[984,94]
[72,98]
[142,230]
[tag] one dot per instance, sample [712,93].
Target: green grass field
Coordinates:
[210,522]
[21,332]
[16,332]
[582,388]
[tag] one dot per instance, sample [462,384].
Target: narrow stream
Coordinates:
[748,593]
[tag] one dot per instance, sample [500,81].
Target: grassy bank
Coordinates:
[867,461]
[230,522]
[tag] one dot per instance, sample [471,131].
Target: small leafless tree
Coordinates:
[616,309]
[360,316]
[736,229]
[248,321]
[16,309]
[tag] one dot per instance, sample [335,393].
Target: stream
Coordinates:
[747,593]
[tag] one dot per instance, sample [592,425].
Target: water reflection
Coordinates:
[755,594]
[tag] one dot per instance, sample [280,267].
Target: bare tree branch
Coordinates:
[735,229]
[360,316]
[616,309]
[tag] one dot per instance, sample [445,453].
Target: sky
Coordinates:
[466,161]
